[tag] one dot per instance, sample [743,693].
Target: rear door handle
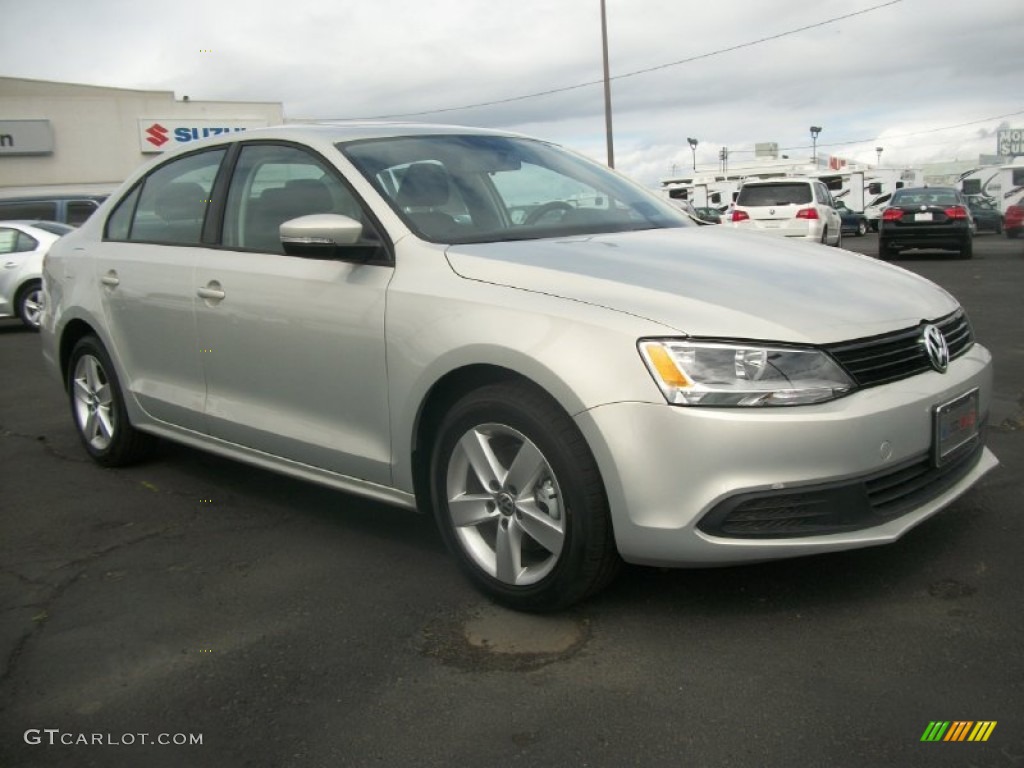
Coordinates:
[211,291]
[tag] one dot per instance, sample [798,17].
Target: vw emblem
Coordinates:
[936,347]
[771,211]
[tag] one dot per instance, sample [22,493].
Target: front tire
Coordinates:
[98,410]
[519,499]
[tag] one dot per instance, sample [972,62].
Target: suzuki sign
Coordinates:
[158,135]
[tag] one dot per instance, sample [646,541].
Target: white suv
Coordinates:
[791,207]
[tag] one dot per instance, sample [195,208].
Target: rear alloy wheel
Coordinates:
[519,499]
[97,406]
[29,304]
[862,228]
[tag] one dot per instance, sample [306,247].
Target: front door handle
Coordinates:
[111,279]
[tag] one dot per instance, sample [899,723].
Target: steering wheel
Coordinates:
[540,212]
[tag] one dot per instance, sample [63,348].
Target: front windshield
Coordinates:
[480,189]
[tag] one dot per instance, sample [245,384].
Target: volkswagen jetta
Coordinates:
[562,368]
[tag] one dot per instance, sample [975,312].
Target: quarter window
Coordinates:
[272,184]
[171,202]
[16,241]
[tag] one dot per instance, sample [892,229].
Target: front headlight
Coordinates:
[735,374]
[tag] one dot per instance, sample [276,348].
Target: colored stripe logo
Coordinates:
[958,730]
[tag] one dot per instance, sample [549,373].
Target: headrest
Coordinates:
[423,185]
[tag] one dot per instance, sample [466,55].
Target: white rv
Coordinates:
[870,190]
[1002,185]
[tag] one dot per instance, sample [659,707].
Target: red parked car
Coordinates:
[1013,222]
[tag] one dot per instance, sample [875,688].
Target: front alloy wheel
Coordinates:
[504,503]
[519,500]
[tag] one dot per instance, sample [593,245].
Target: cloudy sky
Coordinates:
[927,80]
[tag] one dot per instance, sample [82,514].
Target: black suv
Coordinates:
[926,217]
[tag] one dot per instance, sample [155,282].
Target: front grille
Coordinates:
[838,507]
[901,354]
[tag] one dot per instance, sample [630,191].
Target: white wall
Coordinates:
[95,130]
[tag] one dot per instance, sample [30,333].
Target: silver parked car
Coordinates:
[562,367]
[22,247]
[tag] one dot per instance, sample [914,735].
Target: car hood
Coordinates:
[715,282]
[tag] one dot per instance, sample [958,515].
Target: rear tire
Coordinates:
[98,410]
[519,499]
[29,304]
[1012,233]
[862,228]
[967,249]
[885,249]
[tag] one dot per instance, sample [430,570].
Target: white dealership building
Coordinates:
[57,136]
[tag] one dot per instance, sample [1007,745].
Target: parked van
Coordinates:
[67,209]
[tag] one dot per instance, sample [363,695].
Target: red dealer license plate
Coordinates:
[956,426]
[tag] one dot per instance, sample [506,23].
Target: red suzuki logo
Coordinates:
[157,135]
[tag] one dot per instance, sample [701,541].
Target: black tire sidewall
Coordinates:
[120,450]
[584,508]
[19,302]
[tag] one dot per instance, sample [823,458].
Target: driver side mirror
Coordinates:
[325,236]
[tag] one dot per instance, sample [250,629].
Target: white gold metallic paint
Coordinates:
[357,349]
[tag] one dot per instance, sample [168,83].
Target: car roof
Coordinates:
[782,180]
[37,225]
[356,131]
[924,190]
[51,198]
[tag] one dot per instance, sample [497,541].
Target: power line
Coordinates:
[892,136]
[634,73]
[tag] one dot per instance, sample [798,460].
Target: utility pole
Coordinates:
[607,90]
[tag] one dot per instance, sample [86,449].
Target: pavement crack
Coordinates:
[45,442]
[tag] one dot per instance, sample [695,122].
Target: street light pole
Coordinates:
[815,130]
[607,90]
[879,151]
[693,148]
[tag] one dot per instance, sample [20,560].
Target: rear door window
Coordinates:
[172,202]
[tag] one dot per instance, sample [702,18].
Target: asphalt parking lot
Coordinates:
[288,625]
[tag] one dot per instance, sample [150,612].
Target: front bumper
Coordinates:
[668,470]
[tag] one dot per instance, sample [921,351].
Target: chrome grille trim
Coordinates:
[899,355]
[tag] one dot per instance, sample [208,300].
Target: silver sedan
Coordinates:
[558,365]
[22,247]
